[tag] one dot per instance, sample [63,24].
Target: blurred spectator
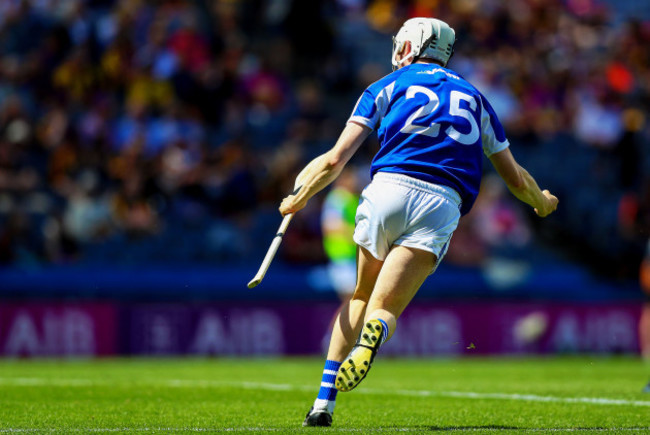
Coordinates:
[337,218]
[494,236]
[87,216]
[499,221]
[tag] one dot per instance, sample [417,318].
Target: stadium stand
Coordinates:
[164,133]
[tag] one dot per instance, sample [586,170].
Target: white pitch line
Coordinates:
[422,393]
[268,386]
[44,382]
[523,397]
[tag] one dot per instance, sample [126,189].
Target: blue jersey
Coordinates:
[432,125]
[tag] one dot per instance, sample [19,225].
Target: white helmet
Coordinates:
[430,38]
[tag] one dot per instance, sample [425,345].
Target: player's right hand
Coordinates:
[290,205]
[549,207]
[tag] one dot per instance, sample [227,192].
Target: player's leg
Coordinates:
[401,275]
[644,336]
[343,277]
[644,331]
[344,333]
[397,284]
[347,325]
[644,321]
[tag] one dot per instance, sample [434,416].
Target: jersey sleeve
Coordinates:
[492,134]
[372,105]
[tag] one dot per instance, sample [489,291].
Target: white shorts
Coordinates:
[396,209]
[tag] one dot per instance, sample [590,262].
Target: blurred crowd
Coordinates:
[168,131]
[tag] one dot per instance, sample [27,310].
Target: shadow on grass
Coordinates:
[424,428]
[494,427]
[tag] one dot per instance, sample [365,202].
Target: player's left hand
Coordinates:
[290,205]
[549,207]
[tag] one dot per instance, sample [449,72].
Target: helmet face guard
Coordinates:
[430,38]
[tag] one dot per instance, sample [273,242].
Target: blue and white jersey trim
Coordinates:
[376,111]
[491,145]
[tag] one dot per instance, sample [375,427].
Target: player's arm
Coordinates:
[522,184]
[327,167]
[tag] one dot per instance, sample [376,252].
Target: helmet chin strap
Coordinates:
[404,59]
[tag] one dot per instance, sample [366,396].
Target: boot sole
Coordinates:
[357,364]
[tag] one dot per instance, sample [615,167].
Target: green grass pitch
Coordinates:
[512,395]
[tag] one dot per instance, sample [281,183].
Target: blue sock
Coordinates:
[327,394]
[384,333]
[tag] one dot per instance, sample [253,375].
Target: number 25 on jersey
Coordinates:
[433,130]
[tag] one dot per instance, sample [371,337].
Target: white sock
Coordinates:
[326,399]
[322,405]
